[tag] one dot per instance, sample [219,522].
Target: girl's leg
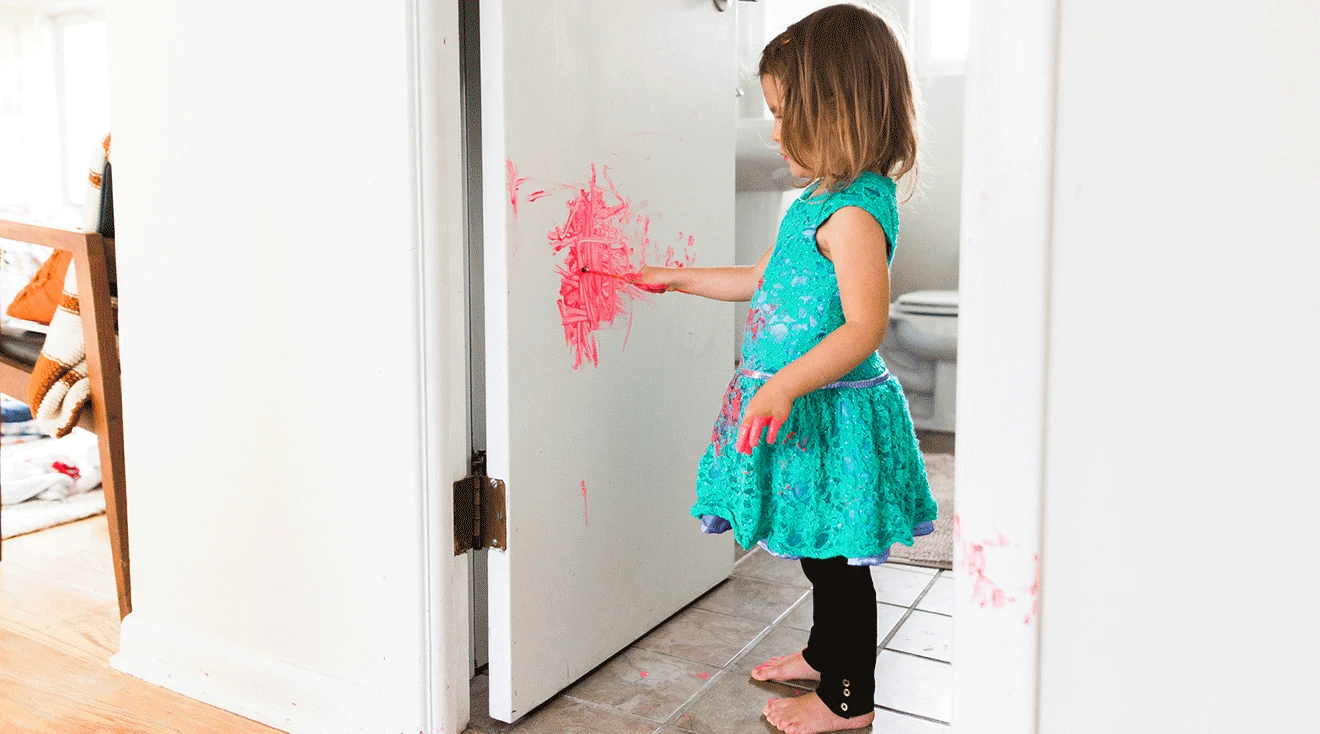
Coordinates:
[818,652]
[843,635]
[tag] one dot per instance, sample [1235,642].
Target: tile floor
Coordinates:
[690,675]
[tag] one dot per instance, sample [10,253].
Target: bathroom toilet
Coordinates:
[921,349]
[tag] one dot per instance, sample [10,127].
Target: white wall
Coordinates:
[1181,482]
[289,238]
[1137,341]
[927,256]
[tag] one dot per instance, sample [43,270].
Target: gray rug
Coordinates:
[934,550]
[34,515]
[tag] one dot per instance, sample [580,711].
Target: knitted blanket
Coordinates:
[60,390]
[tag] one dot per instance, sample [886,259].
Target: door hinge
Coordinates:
[479,510]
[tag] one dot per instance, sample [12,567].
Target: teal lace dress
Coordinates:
[845,478]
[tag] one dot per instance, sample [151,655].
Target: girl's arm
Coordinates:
[856,243]
[720,284]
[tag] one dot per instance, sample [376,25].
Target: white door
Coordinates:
[608,139]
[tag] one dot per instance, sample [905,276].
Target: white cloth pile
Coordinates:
[52,469]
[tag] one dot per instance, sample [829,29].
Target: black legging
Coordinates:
[843,634]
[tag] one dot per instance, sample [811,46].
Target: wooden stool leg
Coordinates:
[107,402]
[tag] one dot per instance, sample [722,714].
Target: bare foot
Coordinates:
[807,714]
[789,667]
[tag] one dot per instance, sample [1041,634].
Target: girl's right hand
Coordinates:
[652,279]
[720,284]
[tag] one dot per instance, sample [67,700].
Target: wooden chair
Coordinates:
[94,258]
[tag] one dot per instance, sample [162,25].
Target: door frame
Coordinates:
[1008,201]
[439,679]
[1002,378]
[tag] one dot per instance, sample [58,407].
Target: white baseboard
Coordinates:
[277,694]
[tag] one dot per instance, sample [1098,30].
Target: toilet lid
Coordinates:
[929,303]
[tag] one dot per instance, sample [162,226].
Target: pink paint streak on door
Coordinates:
[586,519]
[599,238]
[513,182]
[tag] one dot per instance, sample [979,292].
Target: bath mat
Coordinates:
[934,550]
[34,515]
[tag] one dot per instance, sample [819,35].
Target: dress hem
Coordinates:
[715,524]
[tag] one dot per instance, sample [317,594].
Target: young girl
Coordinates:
[838,477]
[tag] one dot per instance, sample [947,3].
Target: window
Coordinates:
[950,29]
[83,97]
[943,33]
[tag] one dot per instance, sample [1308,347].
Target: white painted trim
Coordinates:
[439,202]
[1003,326]
[277,694]
[496,263]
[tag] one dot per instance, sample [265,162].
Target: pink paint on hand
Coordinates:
[513,182]
[536,195]
[631,279]
[599,239]
[652,287]
[703,676]
[643,673]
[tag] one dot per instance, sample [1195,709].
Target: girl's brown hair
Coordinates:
[846,96]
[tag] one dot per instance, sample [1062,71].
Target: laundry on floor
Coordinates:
[45,481]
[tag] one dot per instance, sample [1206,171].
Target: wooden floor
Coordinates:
[59,625]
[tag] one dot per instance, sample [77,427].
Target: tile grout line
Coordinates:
[938,614]
[745,556]
[918,656]
[909,568]
[884,644]
[894,630]
[682,709]
[566,694]
[912,715]
[604,707]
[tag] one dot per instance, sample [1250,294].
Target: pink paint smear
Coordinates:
[513,182]
[726,427]
[986,561]
[585,519]
[599,237]
[671,256]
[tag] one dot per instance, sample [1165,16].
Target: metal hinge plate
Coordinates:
[479,510]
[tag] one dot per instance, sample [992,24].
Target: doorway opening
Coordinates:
[917,591]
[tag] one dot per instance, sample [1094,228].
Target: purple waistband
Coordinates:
[879,379]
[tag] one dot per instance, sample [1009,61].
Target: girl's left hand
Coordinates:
[769,408]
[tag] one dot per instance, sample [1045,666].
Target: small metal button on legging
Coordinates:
[843,634]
